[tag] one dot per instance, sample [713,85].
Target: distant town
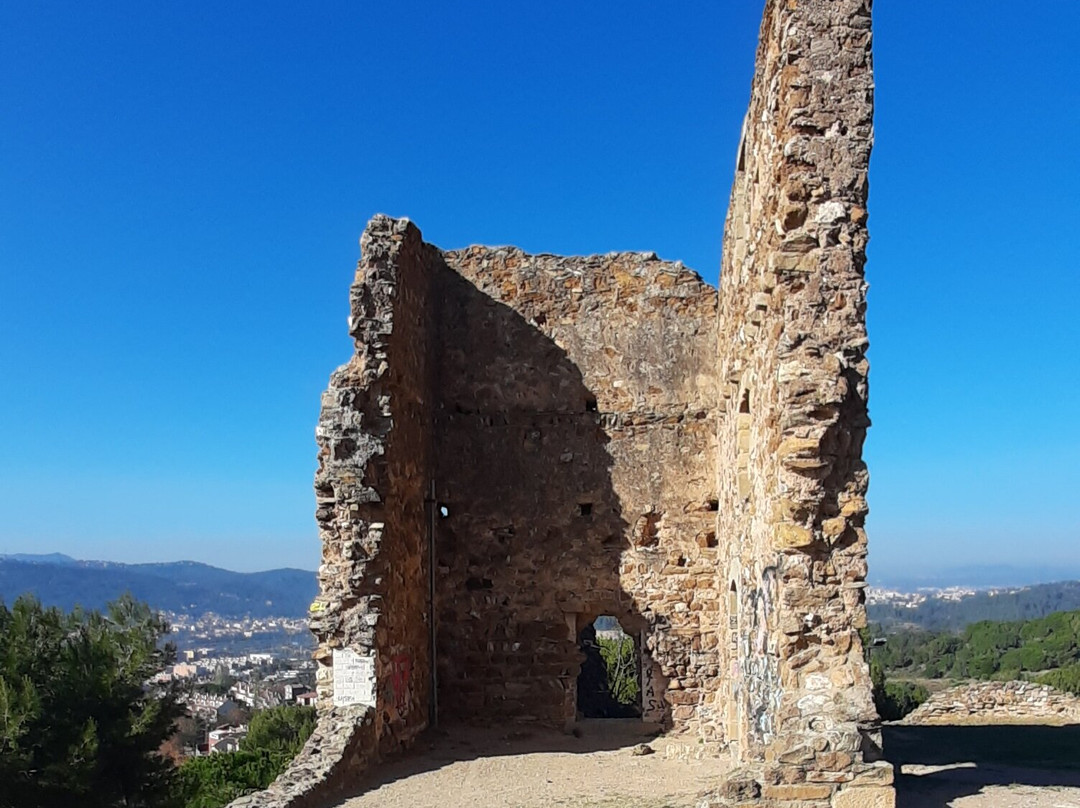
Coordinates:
[210,632]
[229,668]
[912,600]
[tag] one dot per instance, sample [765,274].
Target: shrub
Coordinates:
[280,730]
[897,699]
[217,780]
[274,737]
[1067,679]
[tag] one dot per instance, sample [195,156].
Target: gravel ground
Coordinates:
[980,766]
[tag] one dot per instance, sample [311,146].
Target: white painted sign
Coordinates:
[354,678]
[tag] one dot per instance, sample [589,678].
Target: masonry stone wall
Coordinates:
[375,463]
[576,456]
[374,467]
[793,418]
[793,362]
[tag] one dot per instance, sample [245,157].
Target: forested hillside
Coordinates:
[1046,649]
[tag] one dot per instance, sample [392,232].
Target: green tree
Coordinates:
[620,660]
[896,699]
[223,680]
[986,650]
[78,726]
[1067,679]
[280,730]
[216,780]
[274,737]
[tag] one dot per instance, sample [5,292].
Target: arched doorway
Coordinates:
[609,684]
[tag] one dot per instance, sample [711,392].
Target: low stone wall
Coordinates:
[342,745]
[998,702]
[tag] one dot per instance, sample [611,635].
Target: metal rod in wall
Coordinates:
[433,508]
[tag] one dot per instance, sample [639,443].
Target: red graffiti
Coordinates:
[400,677]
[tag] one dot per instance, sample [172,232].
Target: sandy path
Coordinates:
[535,768]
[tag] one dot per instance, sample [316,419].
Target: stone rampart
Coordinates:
[372,615]
[793,371]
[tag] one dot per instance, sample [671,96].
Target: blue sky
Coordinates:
[182,188]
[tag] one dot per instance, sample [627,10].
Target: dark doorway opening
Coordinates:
[609,685]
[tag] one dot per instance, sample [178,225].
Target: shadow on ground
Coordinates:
[937,765]
[457,743]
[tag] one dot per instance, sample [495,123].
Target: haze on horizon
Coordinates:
[182,192]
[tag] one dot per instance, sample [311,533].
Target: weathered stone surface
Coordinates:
[997,703]
[865,797]
[338,748]
[793,364]
[575,446]
[791,481]
[524,442]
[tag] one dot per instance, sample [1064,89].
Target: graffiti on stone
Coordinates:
[652,702]
[398,683]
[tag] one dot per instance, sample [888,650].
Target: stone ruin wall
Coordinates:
[608,436]
[375,458]
[564,410]
[986,703]
[793,418]
[792,347]
[576,456]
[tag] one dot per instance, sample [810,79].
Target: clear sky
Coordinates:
[182,186]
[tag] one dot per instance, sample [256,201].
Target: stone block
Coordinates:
[865,797]
[788,535]
[879,773]
[801,791]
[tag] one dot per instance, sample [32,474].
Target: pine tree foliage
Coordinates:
[78,723]
[620,660]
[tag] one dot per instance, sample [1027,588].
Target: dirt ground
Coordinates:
[514,767]
[970,787]
[1008,766]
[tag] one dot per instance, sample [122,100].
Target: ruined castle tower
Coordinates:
[522,443]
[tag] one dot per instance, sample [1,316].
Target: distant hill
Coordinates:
[183,586]
[937,613]
[978,576]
